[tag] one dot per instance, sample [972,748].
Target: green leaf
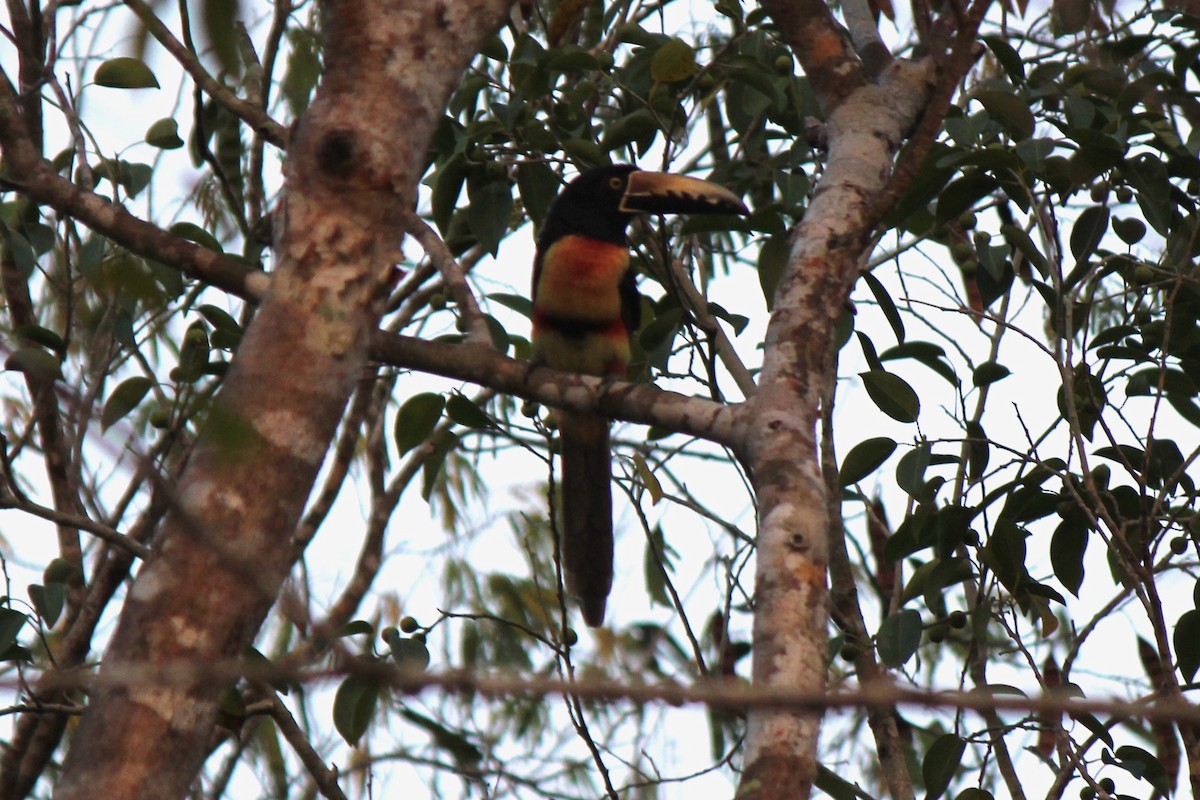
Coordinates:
[47,338]
[989,372]
[1067,548]
[655,574]
[836,786]
[1087,232]
[899,637]
[354,705]
[941,764]
[1143,764]
[925,353]
[573,58]
[1004,553]
[36,363]
[194,233]
[885,304]
[303,69]
[932,577]
[407,652]
[164,134]
[442,447]
[737,322]
[910,472]
[538,185]
[11,623]
[355,628]
[869,353]
[465,412]
[48,600]
[1006,56]
[1010,111]
[586,151]
[517,302]
[974,793]
[772,260]
[648,479]
[1019,239]
[978,450]
[640,126]
[892,395]
[1089,396]
[124,399]
[460,748]
[218,19]
[864,458]
[1187,644]
[446,185]
[661,331]
[1099,729]
[417,418]
[674,61]
[125,73]
[489,214]
[219,318]
[1130,230]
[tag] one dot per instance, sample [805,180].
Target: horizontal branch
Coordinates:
[32,175]
[616,399]
[733,695]
[78,522]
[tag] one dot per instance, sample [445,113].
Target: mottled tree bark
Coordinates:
[865,129]
[225,548]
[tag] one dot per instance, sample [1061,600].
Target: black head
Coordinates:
[590,205]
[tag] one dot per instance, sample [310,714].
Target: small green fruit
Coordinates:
[408,625]
[1179,545]
[958,620]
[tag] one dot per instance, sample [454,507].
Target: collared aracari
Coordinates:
[586,307]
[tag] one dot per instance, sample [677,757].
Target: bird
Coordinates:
[586,306]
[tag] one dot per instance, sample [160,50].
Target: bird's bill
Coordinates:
[663,193]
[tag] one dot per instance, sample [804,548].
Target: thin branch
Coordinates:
[453,275]
[322,775]
[78,522]
[698,306]
[250,113]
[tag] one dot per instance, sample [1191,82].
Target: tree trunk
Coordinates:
[224,550]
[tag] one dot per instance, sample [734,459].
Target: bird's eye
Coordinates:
[616,183]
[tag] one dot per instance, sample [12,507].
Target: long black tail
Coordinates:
[587,534]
